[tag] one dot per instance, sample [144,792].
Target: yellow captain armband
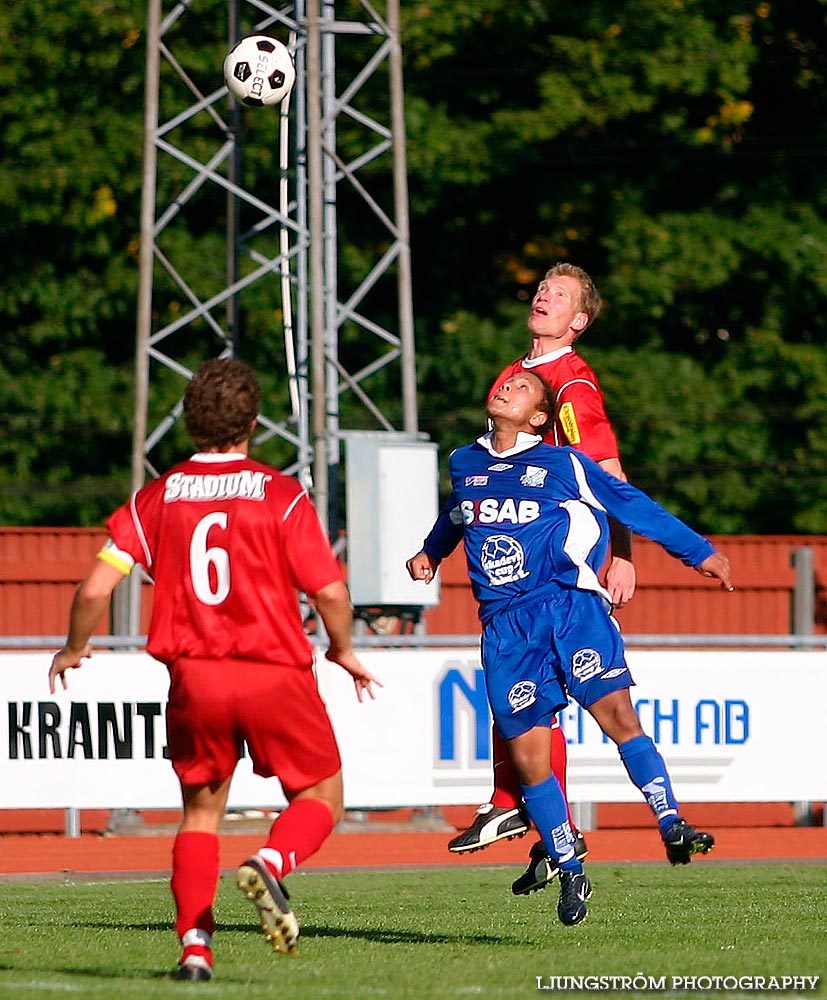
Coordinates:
[568,421]
[111,554]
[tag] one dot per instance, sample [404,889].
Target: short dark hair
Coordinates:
[547,404]
[221,403]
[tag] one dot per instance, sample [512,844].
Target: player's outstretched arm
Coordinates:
[717,565]
[422,567]
[333,604]
[88,607]
[621,580]
[621,575]
[443,538]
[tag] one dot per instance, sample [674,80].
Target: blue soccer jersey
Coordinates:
[535,518]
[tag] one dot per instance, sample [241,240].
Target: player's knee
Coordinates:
[531,767]
[336,807]
[331,793]
[616,716]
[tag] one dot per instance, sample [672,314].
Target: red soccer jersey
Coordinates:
[228,542]
[582,421]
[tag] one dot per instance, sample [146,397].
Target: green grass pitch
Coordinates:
[454,932]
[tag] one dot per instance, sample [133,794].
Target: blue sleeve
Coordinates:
[446,533]
[632,507]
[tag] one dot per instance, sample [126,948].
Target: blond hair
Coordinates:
[589,296]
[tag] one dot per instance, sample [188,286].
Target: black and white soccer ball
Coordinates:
[259,71]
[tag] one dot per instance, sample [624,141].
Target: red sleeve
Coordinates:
[310,556]
[125,532]
[582,420]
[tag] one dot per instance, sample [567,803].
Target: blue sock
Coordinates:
[547,808]
[647,769]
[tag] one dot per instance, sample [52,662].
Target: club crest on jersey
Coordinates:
[521,695]
[476,480]
[586,663]
[503,560]
[533,476]
[500,467]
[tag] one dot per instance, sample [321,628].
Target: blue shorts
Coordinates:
[539,654]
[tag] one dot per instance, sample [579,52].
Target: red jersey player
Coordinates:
[229,542]
[564,305]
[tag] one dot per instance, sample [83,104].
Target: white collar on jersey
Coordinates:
[545,358]
[218,456]
[523,443]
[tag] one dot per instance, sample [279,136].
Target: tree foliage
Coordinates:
[676,150]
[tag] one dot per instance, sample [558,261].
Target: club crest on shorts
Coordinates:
[586,663]
[521,695]
[533,476]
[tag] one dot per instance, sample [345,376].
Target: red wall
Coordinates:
[40,568]
[39,571]
[674,600]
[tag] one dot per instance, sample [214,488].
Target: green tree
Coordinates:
[674,150]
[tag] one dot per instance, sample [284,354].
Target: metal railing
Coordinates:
[133,642]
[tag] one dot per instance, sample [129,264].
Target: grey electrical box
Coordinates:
[391,484]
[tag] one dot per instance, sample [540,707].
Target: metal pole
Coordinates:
[400,191]
[314,175]
[234,176]
[302,325]
[803,624]
[805,591]
[71,822]
[330,258]
[146,260]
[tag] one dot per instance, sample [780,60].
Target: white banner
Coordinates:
[732,725]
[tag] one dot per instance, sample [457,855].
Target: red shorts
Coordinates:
[215,706]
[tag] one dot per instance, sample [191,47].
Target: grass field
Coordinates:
[422,934]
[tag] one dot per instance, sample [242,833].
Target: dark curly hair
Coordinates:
[221,404]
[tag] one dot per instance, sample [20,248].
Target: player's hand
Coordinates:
[363,679]
[422,567]
[621,578]
[63,660]
[717,565]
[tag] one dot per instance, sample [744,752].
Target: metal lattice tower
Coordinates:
[288,245]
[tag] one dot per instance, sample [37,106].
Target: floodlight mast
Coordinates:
[306,256]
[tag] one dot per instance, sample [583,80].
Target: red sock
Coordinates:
[194,881]
[507,791]
[558,759]
[196,951]
[296,834]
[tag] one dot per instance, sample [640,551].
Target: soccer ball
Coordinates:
[259,71]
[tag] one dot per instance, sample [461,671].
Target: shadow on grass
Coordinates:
[391,936]
[92,973]
[386,935]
